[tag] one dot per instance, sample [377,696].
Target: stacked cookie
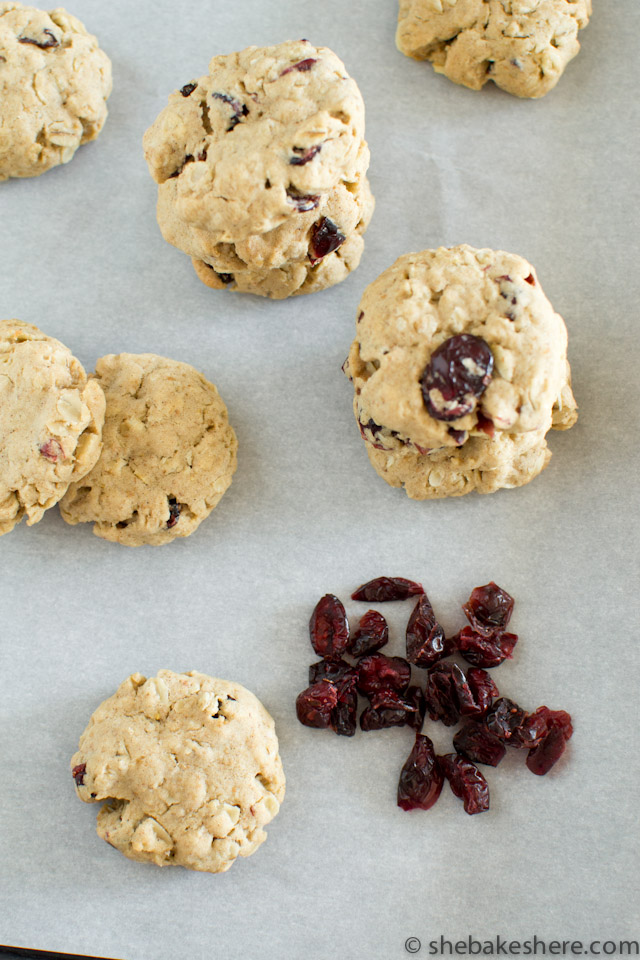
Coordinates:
[143,448]
[460,368]
[261,166]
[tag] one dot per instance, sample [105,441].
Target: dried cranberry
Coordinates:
[174,513]
[532,730]
[391,709]
[332,670]
[549,750]
[377,672]
[188,89]
[387,588]
[485,651]
[489,609]
[329,627]
[303,202]
[78,774]
[239,110]
[225,277]
[301,66]
[345,713]
[46,45]
[530,279]
[441,693]
[466,782]
[421,778]
[477,743]
[325,238]
[304,156]
[504,718]
[315,704]
[458,435]
[372,634]
[486,425]
[52,450]
[483,690]
[426,643]
[457,374]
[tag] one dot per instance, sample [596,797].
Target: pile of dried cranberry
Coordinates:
[450,694]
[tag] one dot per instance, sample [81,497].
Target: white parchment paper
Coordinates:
[344,872]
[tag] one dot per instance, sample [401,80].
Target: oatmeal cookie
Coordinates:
[169,453]
[51,420]
[54,84]
[188,766]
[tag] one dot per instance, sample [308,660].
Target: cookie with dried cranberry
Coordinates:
[261,167]
[522,45]
[188,766]
[54,84]
[460,368]
[168,455]
[51,420]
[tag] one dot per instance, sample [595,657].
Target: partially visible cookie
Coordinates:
[169,453]
[261,167]
[459,368]
[54,84]
[51,420]
[189,767]
[522,45]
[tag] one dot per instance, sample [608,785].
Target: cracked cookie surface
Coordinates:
[51,420]
[168,454]
[54,84]
[257,157]
[189,767]
[522,45]
[494,438]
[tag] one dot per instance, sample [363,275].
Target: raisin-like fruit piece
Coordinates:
[325,238]
[302,66]
[303,202]
[48,44]
[344,715]
[387,588]
[477,743]
[239,109]
[532,730]
[315,704]
[188,89]
[391,709]
[329,628]
[304,156]
[440,692]
[489,609]
[421,778]
[504,718]
[426,642]
[457,374]
[78,774]
[485,651]
[549,750]
[482,688]
[52,450]
[372,634]
[466,782]
[377,672]
[174,513]
[332,670]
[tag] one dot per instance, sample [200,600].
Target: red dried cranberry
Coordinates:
[391,709]
[188,89]
[44,45]
[489,609]
[426,643]
[486,425]
[532,730]
[344,715]
[301,66]
[304,156]
[240,110]
[325,238]
[377,672]
[466,782]
[174,513]
[387,588]
[483,690]
[421,778]
[530,279]
[52,450]
[303,202]
[549,750]
[504,718]
[476,743]
[315,704]
[329,627]
[485,651]
[78,774]
[332,670]
[457,374]
[372,634]
[441,692]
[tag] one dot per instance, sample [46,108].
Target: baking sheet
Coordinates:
[344,872]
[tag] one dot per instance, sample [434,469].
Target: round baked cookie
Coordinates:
[522,45]
[51,420]
[54,84]
[189,767]
[459,368]
[168,453]
[261,166]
